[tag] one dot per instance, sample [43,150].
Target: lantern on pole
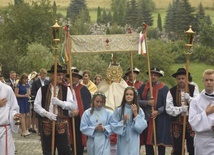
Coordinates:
[56,33]
[189,38]
[189,43]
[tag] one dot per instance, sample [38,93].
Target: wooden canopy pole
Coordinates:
[131,61]
[68,51]
[151,89]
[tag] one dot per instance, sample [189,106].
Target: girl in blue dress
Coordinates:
[95,125]
[128,122]
[22,93]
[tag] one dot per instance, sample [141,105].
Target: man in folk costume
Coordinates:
[137,83]
[175,108]
[9,112]
[162,119]
[44,104]
[201,116]
[83,97]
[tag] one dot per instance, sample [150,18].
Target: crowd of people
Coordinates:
[107,116]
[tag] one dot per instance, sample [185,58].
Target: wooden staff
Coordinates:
[189,43]
[151,89]
[54,106]
[131,67]
[184,114]
[131,62]
[71,86]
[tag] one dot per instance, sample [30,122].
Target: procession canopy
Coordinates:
[104,43]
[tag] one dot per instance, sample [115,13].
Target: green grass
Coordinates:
[196,70]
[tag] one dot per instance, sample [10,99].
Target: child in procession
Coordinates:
[95,125]
[128,122]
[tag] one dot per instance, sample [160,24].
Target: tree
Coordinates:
[206,34]
[201,17]
[54,9]
[159,22]
[74,9]
[17,2]
[132,13]
[179,16]
[98,14]
[118,8]
[145,12]
[24,24]
[38,56]
[169,19]
[80,26]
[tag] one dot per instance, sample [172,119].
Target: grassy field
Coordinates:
[196,70]
[161,6]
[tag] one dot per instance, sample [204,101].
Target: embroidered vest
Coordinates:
[173,91]
[44,90]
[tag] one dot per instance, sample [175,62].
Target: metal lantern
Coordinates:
[56,30]
[189,37]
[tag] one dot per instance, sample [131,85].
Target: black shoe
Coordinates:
[30,130]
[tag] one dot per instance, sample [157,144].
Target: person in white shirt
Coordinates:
[175,108]
[9,112]
[201,116]
[64,100]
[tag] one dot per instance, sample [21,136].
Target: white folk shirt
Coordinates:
[202,124]
[70,103]
[7,113]
[176,110]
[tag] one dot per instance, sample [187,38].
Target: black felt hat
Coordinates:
[180,71]
[75,71]
[135,70]
[59,69]
[157,71]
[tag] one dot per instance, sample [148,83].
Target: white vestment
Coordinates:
[202,123]
[114,93]
[7,123]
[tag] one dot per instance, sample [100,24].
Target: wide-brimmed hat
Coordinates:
[180,71]
[135,70]
[59,69]
[157,71]
[75,71]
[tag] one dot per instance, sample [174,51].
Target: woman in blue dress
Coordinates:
[128,122]
[95,125]
[22,93]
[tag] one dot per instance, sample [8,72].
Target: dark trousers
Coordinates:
[79,146]
[177,141]
[150,150]
[62,141]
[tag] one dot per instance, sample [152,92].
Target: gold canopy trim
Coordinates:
[104,43]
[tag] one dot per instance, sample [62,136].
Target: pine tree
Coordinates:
[98,14]
[109,17]
[132,13]
[54,9]
[104,17]
[169,19]
[16,2]
[159,22]
[145,12]
[74,9]
[179,16]
[118,8]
